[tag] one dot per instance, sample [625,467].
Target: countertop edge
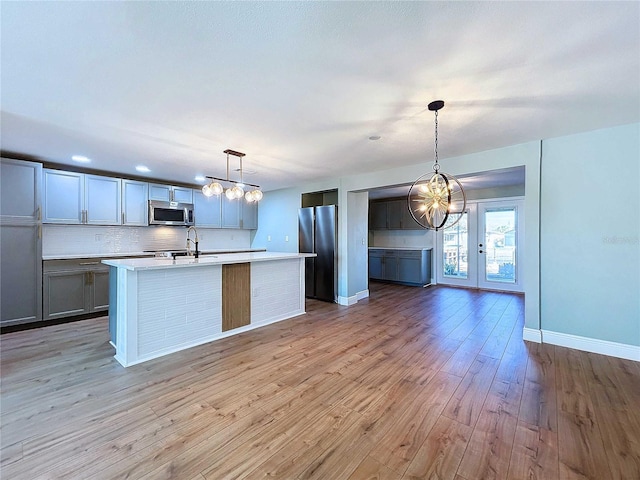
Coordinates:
[209,251]
[208,261]
[401,248]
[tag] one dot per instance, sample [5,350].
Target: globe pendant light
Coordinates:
[436,200]
[236,191]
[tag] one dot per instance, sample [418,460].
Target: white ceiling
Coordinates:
[300,86]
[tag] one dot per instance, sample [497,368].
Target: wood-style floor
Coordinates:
[412,383]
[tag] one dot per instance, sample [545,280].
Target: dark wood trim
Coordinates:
[236,295]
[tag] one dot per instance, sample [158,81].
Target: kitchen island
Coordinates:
[161,306]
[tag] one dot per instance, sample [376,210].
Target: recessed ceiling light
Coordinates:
[200,178]
[80,158]
[374,137]
[143,169]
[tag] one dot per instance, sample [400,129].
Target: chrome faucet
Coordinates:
[195,242]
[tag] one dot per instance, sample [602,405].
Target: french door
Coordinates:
[482,250]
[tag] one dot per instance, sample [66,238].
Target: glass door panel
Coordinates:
[481,250]
[499,240]
[455,249]
[456,261]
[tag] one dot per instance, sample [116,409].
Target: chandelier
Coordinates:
[236,189]
[436,200]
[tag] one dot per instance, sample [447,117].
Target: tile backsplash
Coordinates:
[402,238]
[90,239]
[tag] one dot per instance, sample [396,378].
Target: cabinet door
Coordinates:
[134,203]
[390,265]
[394,214]
[230,212]
[410,269]
[99,284]
[207,210]
[65,294]
[182,195]
[20,185]
[21,278]
[102,200]
[249,215]
[63,197]
[375,267]
[378,216]
[406,220]
[160,192]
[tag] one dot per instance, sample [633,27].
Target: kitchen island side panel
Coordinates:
[277,290]
[177,307]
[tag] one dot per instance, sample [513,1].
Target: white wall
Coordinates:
[278,212]
[357,246]
[590,235]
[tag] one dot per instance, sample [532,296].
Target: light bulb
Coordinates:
[206,190]
[238,192]
[249,197]
[230,193]
[257,195]
[216,188]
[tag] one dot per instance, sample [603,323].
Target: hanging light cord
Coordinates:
[436,165]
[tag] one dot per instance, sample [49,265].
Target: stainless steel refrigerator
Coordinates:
[318,229]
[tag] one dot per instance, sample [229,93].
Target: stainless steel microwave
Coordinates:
[170,213]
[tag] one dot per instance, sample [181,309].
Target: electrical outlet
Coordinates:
[286,238]
[268,238]
[255,292]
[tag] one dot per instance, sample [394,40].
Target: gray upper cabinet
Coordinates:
[21,240]
[77,198]
[135,209]
[230,212]
[63,197]
[102,200]
[170,193]
[20,191]
[249,215]
[377,215]
[392,214]
[207,210]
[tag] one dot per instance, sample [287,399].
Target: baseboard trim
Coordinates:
[353,299]
[593,345]
[532,335]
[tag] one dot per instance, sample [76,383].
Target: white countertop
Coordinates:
[143,254]
[203,261]
[401,248]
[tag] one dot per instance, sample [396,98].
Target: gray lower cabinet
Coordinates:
[409,267]
[74,287]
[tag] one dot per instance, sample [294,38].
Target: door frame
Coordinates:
[475,274]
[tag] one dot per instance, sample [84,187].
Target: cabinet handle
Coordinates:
[38,214]
[39,231]
[89,263]
[122,218]
[89,278]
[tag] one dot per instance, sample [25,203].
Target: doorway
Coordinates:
[483,249]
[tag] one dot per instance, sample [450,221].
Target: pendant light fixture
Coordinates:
[436,200]
[236,190]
